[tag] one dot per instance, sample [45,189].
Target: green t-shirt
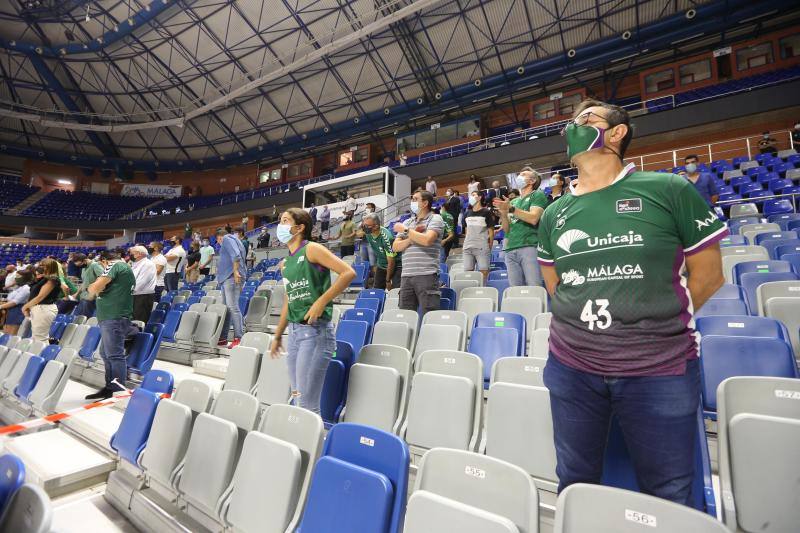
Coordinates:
[305,282]
[449,224]
[206,253]
[116,300]
[520,233]
[382,246]
[92,271]
[622,307]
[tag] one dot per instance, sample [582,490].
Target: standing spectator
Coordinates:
[176,263]
[364,249]
[350,204]
[453,205]
[767,144]
[160,262]
[450,237]
[430,186]
[245,220]
[796,136]
[625,346]
[144,272]
[520,221]
[65,304]
[86,300]
[496,192]
[11,277]
[75,263]
[388,266]
[419,239]
[264,238]
[231,273]
[403,159]
[558,188]
[369,207]
[325,218]
[193,263]
[273,217]
[513,193]
[347,236]
[114,291]
[479,223]
[703,181]
[308,307]
[41,306]
[313,214]
[15,300]
[474,185]
[187,231]
[206,256]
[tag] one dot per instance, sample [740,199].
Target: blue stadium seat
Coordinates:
[446,304]
[491,344]
[504,320]
[722,306]
[773,207]
[163,306]
[742,326]
[90,343]
[143,362]
[618,470]
[362,272]
[157,316]
[334,388]
[171,324]
[353,332]
[378,294]
[794,260]
[180,307]
[761,238]
[158,381]
[500,285]
[772,246]
[368,303]
[359,484]
[751,280]
[4,338]
[763,266]
[722,357]
[729,290]
[131,436]
[193,300]
[13,470]
[140,349]
[783,219]
[788,248]
[739,222]
[498,274]
[58,326]
[244,303]
[363,315]
[34,370]
[444,279]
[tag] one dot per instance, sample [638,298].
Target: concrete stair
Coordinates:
[26,203]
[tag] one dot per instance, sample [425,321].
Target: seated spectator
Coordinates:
[767,144]
[702,181]
[12,306]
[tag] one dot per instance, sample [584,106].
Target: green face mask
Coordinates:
[582,138]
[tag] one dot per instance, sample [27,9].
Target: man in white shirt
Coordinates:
[350,205]
[160,262]
[206,256]
[144,271]
[10,282]
[176,263]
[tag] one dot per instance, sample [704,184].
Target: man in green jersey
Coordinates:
[449,233]
[388,262]
[114,291]
[520,220]
[614,254]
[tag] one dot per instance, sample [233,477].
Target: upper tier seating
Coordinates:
[12,193]
[80,205]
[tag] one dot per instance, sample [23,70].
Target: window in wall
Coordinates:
[469,127]
[426,139]
[345,158]
[694,72]
[361,155]
[406,142]
[567,104]
[263,177]
[305,168]
[789,46]
[659,81]
[448,132]
[275,175]
[754,56]
[544,110]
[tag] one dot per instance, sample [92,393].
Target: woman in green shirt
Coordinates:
[308,307]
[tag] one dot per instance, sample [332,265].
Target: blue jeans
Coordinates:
[309,351]
[171,281]
[523,269]
[657,416]
[230,297]
[85,308]
[113,333]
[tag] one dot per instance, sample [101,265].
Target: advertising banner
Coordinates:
[153,191]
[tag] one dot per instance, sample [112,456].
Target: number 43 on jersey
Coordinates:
[600,318]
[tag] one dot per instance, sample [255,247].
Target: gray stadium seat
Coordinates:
[194,394]
[395,333]
[527,291]
[208,300]
[743,210]
[520,370]
[787,310]
[540,344]
[408,317]
[758,431]
[29,510]
[51,384]
[474,306]
[459,285]
[438,337]
[92,321]
[783,154]
[167,443]
[481,292]
[273,386]
[276,303]
[391,304]
[773,289]
[728,174]
[378,386]
[504,492]
[10,344]
[243,367]
[474,276]
[198,308]
[583,507]
[749,231]
[185,333]
[451,318]
[76,337]
[529,308]
[730,261]
[542,321]
[745,249]
[257,313]
[25,327]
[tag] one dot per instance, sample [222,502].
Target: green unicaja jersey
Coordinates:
[622,307]
[116,300]
[520,233]
[381,244]
[449,224]
[304,282]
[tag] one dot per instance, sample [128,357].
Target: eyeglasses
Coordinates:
[582,119]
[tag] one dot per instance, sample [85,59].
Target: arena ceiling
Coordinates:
[187,84]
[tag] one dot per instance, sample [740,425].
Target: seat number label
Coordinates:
[449,360]
[475,472]
[366,441]
[641,518]
[787,394]
[735,324]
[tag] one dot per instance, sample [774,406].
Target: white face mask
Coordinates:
[521,182]
[414,206]
[473,200]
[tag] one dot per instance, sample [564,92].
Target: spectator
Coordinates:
[369,207]
[16,299]
[11,277]
[474,185]
[450,237]
[65,304]
[419,239]
[479,224]
[193,263]
[41,306]
[767,144]
[430,186]
[388,265]
[86,301]
[350,204]
[176,263]
[231,273]
[114,291]
[75,264]
[187,231]
[308,307]
[558,188]
[453,206]
[144,272]
[347,236]
[703,181]
[206,256]
[264,238]
[313,214]
[245,220]
[160,262]
[403,159]
[613,354]
[520,219]
[796,136]
[274,215]
[513,193]
[325,218]
[496,192]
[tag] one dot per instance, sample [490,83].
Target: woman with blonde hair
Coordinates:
[41,306]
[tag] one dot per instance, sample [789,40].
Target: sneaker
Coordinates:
[234,343]
[223,343]
[102,394]
[114,388]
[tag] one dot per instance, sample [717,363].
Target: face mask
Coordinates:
[414,206]
[766,136]
[521,182]
[473,200]
[368,210]
[691,168]
[552,182]
[583,138]
[284,233]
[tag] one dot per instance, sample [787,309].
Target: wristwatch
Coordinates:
[511,209]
